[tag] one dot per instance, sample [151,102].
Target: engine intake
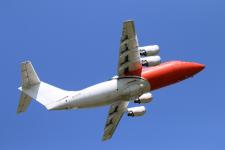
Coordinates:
[150,50]
[136,111]
[150,61]
[145,98]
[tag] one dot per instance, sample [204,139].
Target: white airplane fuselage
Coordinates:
[128,88]
[105,93]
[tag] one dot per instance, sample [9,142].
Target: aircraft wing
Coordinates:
[116,112]
[129,56]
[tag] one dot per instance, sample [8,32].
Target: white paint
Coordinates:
[136,111]
[150,50]
[104,93]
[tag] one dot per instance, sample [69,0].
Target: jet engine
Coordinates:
[150,50]
[136,111]
[151,61]
[145,98]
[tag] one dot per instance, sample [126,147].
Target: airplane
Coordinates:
[139,72]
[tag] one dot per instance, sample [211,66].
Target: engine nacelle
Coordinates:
[150,50]
[136,111]
[150,61]
[145,98]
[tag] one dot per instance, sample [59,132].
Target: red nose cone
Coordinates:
[170,72]
[194,67]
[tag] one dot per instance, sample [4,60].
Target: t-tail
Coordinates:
[33,88]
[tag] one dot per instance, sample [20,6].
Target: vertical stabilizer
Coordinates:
[29,76]
[32,88]
[29,79]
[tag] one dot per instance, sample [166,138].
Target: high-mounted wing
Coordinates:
[116,112]
[129,55]
[129,65]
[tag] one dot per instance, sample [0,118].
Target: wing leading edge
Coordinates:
[129,65]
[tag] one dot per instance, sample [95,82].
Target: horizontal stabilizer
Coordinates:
[24,103]
[33,88]
[45,94]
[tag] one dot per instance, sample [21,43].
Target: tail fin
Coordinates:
[29,76]
[32,87]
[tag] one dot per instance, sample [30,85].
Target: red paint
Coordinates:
[170,72]
[136,72]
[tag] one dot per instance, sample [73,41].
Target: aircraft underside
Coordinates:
[139,71]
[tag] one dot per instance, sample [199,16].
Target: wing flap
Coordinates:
[129,56]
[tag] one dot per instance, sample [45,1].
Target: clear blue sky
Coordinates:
[74,44]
